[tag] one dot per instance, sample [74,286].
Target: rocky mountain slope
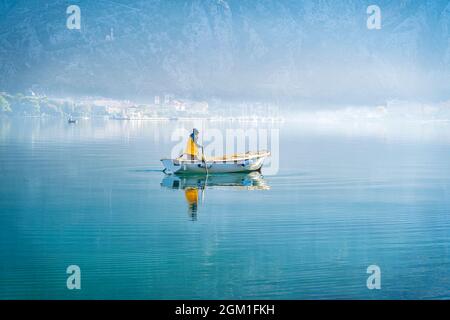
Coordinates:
[318,50]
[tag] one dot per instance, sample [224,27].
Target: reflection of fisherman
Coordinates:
[191,195]
[192,145]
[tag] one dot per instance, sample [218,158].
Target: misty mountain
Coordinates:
[266,49]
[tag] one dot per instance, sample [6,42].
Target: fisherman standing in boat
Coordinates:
[192,146]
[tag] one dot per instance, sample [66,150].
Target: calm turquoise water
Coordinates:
[345,197]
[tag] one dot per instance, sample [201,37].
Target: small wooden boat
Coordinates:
[245,162]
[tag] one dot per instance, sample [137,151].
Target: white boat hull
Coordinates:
[243,163]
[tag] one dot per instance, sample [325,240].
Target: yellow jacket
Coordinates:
[191,147]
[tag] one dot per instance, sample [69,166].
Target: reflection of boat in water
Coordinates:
[191,184]
[249,181]
[246,162]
